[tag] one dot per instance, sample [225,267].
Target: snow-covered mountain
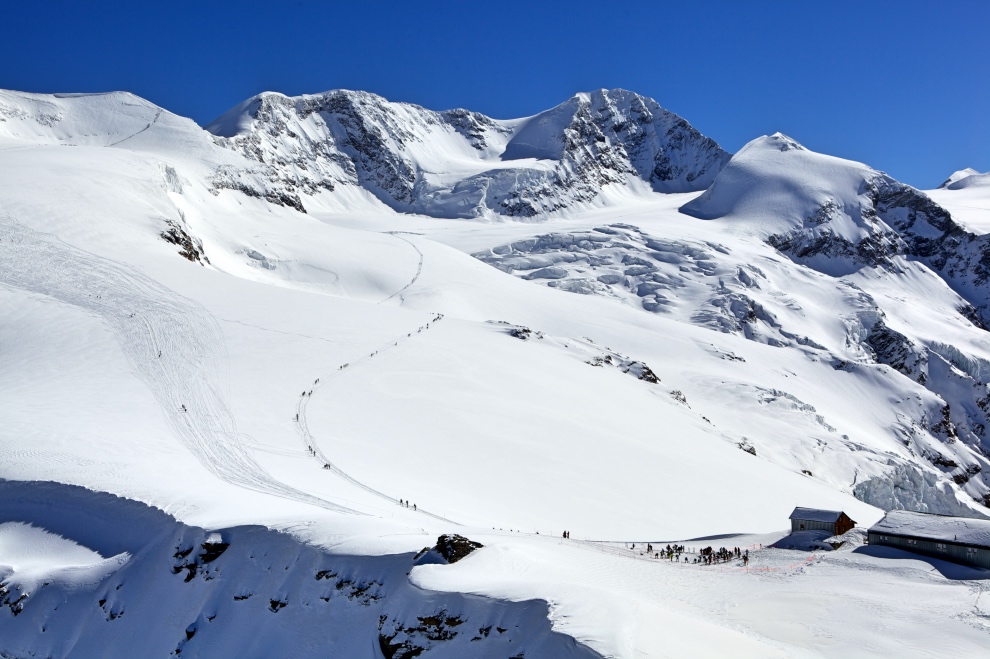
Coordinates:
[228,354]
[459,163]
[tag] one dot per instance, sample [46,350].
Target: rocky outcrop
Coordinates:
[454,547]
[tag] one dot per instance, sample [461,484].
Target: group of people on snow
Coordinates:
[405,504]
[709,556]
[706,555]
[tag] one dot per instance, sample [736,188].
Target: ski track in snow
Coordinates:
[419,268]
[150,124]
[174,345]
[310,441]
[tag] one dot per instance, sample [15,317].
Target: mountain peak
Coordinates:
[458,163]
[958,179]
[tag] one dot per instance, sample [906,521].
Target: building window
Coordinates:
[939,546]
[913,543]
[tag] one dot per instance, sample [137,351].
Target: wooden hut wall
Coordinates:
[812,525]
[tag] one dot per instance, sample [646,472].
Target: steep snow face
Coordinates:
[838,216]
[462,164]
[814,207]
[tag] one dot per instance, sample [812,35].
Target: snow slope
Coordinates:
[966,194]
[281,323]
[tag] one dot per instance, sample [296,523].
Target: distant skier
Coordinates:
[414,507]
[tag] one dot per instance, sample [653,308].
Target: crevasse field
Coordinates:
[228,353]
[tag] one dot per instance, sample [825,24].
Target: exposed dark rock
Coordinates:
[940,460]
[895,350]
[211,551]
[746,446]
[454,547]
[191,249]
[944,427]
[402,650]
[521,333]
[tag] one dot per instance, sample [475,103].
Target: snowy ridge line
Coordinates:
[310,441]
[173,344]
[419,268]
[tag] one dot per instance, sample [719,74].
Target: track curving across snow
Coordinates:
[419,268]
[173,344]
[309,440]
[150,124]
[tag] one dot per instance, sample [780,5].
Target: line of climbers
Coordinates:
[305,394]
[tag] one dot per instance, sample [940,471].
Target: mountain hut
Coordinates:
[814,519]
[958,539]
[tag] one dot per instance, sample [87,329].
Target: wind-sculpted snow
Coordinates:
[174,346]
[459,163]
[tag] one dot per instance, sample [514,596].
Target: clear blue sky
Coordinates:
[901,85]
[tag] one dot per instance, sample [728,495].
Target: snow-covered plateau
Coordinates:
[267,386]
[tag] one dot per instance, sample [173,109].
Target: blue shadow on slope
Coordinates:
[805,541]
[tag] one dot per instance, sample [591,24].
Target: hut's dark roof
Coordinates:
[816,515]
[935,527]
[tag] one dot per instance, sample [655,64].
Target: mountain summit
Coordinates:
[459,163]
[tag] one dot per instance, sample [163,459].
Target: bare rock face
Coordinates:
[308,145]
[454,547]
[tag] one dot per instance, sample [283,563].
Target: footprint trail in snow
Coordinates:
[173,344]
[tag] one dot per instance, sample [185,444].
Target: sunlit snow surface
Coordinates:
[309,370]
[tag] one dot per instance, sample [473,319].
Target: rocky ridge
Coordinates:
[519,168]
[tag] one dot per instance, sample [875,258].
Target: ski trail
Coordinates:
[419,268]
[150,124]
[173,344]
[310,441]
